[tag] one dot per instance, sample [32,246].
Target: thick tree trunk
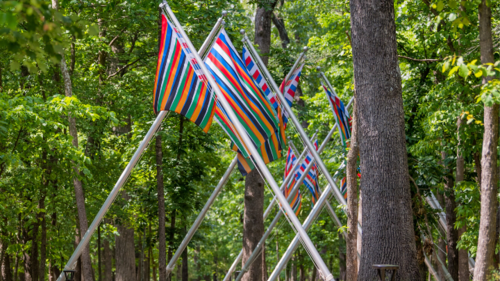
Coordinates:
[125,254]
[253,223]
[451,218]
[489,177]
[352,203]
[263,22]
[6,268]
[388,236]
[162,248]
[108,262]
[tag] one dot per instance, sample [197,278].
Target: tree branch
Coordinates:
[420,60]
[123,68]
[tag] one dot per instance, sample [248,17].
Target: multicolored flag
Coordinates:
[269,151]
[341,115]
[180,86]
[296,200]
[247,100]
[289,87]
[343,184]
[311,180]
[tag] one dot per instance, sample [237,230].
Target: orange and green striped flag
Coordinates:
[180,86]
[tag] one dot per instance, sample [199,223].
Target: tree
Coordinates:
[352,202]
[388,236]
[489,176]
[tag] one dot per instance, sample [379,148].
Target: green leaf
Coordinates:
[440,6]
[446,65]
[464,71]
[453,70]
[478,73]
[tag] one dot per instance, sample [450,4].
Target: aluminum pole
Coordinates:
[295,243]
[262,240]
[431,268]
[114,192]
[299,128]
[212,34]
[201,216]
[323,269]
[432,200]
[269,209]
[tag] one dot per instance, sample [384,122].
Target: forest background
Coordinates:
[111,47]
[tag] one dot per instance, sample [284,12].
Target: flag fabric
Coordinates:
[180,85]
[296,200]
[289,87]
[311,180]
[242,93]
[341,115]
[269,151]
[254,71]
[343,184]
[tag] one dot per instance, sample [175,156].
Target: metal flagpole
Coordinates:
[331,212]
[257,249]
[323,269]
[442,220]
[307,224]
[269,209]
[201,216]
[296,122]
[114,192]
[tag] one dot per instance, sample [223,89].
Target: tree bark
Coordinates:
[125,254]
[451,218]
[489,177]
[463,256]
[263,21]
[253,223]
[108,263]
[162,248]
[79,193]
[280,25]
[43,240]
[352,203]
[342,260]
[388,236]
[185,270]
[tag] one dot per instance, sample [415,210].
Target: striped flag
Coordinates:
[240,90]
[311,180]
[180,85]
[341,115]
[269,151]
[252,67]
[296,200]
[289,87]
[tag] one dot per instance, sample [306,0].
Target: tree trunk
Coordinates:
[162,248]
[6,268]
[451,218]
[360,221]
[171,240]
[79,193]
[263,22]
[43,240]
[352,203]
[342,260]
[489,177]
[99,257]
[253,223]
[185,270]
[108,262]
[125,254]
[463,256]
[388,236]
